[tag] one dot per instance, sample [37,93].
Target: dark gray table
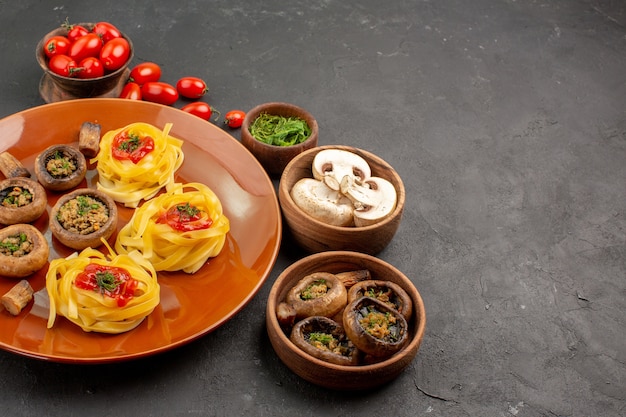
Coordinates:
[507,121]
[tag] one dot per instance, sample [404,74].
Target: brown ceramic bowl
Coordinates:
[316,236]
[274,158]
[343,377]
[54,87]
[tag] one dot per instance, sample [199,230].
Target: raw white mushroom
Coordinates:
[322,203]
[374,200]
[332,165]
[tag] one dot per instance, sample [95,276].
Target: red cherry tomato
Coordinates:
[200,109]
[88,45]
[159,92]
[62,65]
[146,72]
[131,91]
[191,87]
[56,45]
[90,67]
[106,31]
[115,53]
[234,118]
[75,32]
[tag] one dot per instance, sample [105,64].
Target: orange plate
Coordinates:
[191,305]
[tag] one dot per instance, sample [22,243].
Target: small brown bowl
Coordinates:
[329,375]
[77,87]
[274,158]
[316,236]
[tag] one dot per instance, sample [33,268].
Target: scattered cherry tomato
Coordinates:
[115,53]
[106,31]
[88,45]
[145,72]
[56,45]
[234,118]
[90,67]
[200,109]
[191,87]
[159,92]
[131,91]
[75,32]
[62,65]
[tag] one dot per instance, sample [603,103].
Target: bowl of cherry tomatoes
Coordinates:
[83,60]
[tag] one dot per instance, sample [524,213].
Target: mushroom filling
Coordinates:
[14,197]
[380,325]
[385,296]
[329,343]
[316,289]
[83,215]
[16,245]
[60,165]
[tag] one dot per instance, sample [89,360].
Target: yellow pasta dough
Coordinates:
[136,161]
[177,230]
[101,295]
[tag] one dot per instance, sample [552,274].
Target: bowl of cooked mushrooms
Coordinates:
[345,320]
[341,198]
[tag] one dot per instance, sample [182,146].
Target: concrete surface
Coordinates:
[507,121]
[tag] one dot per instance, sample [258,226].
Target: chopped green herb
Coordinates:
[279,130]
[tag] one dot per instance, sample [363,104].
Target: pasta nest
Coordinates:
[94,310]
[128,182]
[169,249]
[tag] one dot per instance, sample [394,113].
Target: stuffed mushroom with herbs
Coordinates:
[324,339]
[23,250]
[60,167]
[82,218]
[375,328]
[22,200]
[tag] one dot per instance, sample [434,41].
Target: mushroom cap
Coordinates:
[60,183]
[328,304]
[332,165]
[78,241]
[29,212]
[23,266]
[322,203]
[367,342]
[373,201]
[302,331]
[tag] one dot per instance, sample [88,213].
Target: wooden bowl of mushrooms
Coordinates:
[341,198]
[325,314]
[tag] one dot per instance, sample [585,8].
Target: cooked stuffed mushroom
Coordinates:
[60,167]
[22,200]
[83,218]
[23,250]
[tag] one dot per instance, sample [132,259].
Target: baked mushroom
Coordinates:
[22,200]
[60,167]
[332,165]
[11,167]
[324,339]
[386,292]
[317,294]
[321,202]
[374,327]
[373,200]
[23,250]
[82,218]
